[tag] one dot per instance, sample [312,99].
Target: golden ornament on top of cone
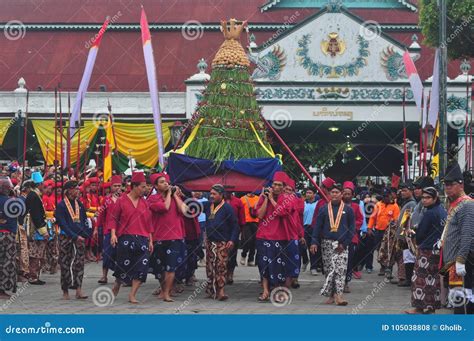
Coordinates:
[231,53]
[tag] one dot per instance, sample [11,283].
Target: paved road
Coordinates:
[370,295]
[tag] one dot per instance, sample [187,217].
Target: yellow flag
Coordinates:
[109,147]
[435,153]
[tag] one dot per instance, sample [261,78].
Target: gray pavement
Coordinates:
[370,295]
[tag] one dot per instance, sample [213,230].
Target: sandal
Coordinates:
[263,298]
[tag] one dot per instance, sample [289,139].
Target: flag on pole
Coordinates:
[435,153]
[415,81]
[434,98]
[109,147]
[424,114]
[81,93]
[152,83]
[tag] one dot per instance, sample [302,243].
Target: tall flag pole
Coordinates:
[414,79]
[81,93]
[434,96]
[152,83]
[405,148]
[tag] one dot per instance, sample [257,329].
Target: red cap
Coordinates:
[290,182]
[48,183]
[280,176]
[106,185]
[138,177]
[328,183]
[93,180]
[155,176]
[349,184]
[86,183]
[116,179]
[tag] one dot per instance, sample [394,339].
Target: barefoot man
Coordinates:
[71,218]
[131,233]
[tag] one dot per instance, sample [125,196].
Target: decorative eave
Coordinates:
[271,3]
[178,27]
[136,27]
[288,29]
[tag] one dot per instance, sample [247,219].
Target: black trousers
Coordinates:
[248,243]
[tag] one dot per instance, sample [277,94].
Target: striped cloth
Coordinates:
[459,234]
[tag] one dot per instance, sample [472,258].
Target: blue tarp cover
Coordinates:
[182,168]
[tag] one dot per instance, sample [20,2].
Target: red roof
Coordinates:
[48,57]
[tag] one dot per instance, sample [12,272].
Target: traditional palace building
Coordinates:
[325,71]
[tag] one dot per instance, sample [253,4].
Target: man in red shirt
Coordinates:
[295,237]
[169,254]
[132,233]
[348,196]
[52,248]
[272,234]
[103,222]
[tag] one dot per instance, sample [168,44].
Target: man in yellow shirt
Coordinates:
[385,212]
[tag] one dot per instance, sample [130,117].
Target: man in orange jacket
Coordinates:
[384,213]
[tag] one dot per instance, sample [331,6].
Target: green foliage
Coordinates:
[459,26]
[228,105]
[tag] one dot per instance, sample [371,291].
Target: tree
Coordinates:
[310,154]
[459,26]
[230,126]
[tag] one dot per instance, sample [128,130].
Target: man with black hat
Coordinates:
[72,220]
[37,230]
[457,240]
[403,256]
[333,232]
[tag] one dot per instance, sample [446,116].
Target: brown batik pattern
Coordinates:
[425,282]
[7,261]
[71,260]
[22,255]
[387,250]
[217,256]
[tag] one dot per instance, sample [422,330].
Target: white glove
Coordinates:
[460,269]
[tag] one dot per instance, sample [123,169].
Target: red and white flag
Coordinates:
[434,100]
[152,83]
[415,81]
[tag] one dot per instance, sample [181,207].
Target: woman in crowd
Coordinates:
[425,287]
